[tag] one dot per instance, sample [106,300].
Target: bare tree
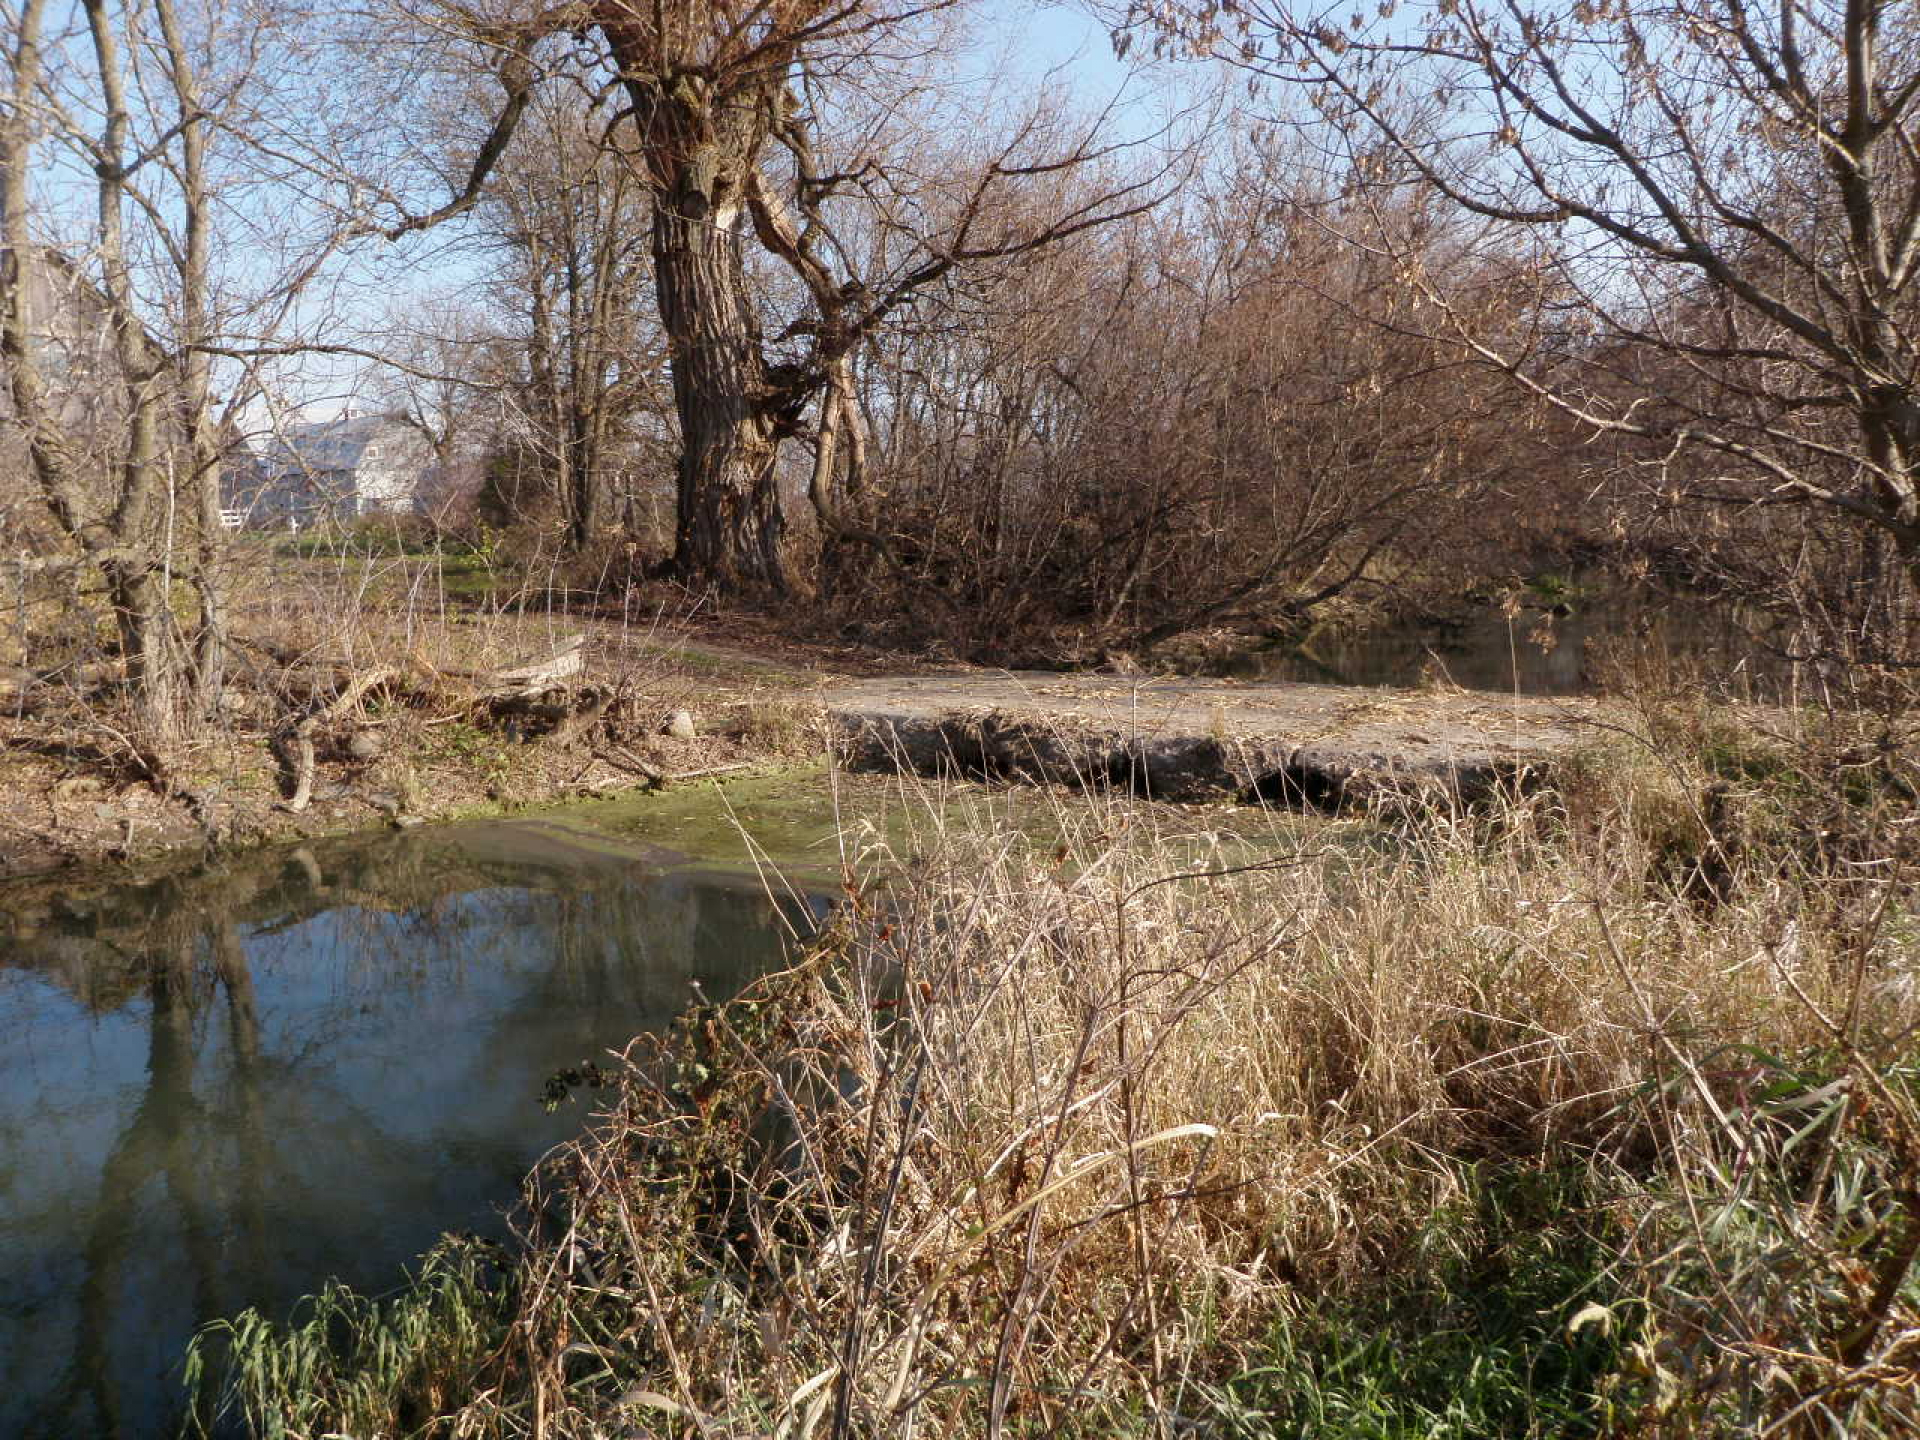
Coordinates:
[106,469]
[117,173]
[1217,418]
[441,376]
[571,222]
[1730,186]
[723,106]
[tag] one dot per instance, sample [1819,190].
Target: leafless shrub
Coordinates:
[1221,417]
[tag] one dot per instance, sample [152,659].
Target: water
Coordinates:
[219,1088]
[1536,651]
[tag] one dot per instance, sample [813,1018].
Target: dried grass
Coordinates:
[1051,1140]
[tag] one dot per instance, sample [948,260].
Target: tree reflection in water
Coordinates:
[220,1087]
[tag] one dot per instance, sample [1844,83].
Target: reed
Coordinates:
[1455,1126]
[354,1364]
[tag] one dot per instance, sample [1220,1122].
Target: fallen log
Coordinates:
[301,679]
[622,758]
[16,686]
[534,677]
[303,676]
[578,721]
[293,742]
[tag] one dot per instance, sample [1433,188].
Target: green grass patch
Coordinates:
[346,1362]
[467,574]
[1508,1325]
[376,537]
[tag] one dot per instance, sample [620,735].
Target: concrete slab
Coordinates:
[1320,745]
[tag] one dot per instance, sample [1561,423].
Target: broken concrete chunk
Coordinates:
[1308,746]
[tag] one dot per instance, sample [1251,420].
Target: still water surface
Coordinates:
[1535,651]
[221,1087]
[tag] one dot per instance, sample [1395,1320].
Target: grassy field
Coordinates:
[1599,1115]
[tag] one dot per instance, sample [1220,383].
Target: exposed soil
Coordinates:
[73,791]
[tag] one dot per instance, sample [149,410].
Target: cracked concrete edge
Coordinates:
[978,742]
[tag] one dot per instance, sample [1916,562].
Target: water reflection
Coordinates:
[219,1088]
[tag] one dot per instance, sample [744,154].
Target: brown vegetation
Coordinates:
[1225,418]
[1133,1134]
[360,693]
[1091,1138]
[1718,205]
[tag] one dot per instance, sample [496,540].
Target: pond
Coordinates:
[1554,643]
[220,1086]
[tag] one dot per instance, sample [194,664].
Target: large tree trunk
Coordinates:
[730,519]
[149,650]
[586,497]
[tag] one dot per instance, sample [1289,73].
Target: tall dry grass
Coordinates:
[1074,1139]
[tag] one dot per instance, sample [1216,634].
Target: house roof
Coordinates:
[331,444]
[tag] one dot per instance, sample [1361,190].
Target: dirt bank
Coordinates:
[76,792]
[1287,744]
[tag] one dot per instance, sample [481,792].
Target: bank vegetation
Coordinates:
[780,311]
[1594,1115]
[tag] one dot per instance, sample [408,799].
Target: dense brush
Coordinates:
[1460,1127]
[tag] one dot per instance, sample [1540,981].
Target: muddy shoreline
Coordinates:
[1290,745]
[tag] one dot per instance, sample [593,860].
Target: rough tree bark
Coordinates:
[729,526]
[704,152]
[708,84]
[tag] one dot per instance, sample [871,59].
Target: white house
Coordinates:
[336,469]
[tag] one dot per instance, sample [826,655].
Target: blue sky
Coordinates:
[1065,36]
[1033,40]
[1064,39]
